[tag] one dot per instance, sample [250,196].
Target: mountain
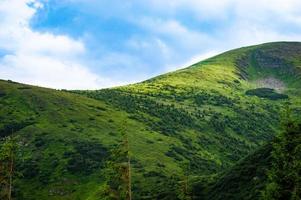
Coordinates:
[196,123]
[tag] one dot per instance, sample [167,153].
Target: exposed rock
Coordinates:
[269,60]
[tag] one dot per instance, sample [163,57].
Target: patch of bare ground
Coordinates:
[272,83]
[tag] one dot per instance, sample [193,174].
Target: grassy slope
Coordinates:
[60,123]
[199,115]
[245,180]
[224,123]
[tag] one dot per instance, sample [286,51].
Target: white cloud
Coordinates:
[170,28]
[193,60]
[168,40]
[176,37]
[197,58]
[219,8]
[202,8]
[48,72]
[41,58]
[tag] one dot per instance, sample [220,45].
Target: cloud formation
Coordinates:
[39,58]
[93,44]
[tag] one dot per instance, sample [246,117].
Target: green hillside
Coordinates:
[245,180]
[270,172]
[195,123]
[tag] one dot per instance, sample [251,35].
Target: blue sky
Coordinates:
[90,44]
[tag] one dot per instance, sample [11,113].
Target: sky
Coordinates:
[93,44]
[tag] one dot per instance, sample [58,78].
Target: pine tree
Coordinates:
[128,177]
[185,189]
[7,166]
[284,177]
[118,174]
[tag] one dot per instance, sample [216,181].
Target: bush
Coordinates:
[267,93]
[2,93]
[86,157]
[14,126]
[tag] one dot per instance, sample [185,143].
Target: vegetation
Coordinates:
[8,150]
[118,183]
[86,157]
[284,180]
[266,93]
[190,134]
[246,180]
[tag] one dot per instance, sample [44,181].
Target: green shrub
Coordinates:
[267,93]
[86,157]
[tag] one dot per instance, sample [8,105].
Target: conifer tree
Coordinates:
[8,149]
[284,177]
[128,177]
[118,173]
[185,190]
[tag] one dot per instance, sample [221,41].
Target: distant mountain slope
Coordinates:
[218,110]
[271,172]
[245,180]
[198,121]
